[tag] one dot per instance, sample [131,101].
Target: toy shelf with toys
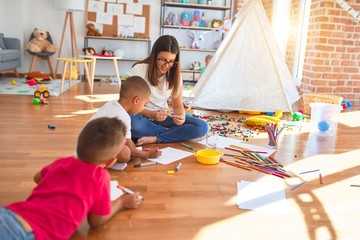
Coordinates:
[198,25]
[127,50]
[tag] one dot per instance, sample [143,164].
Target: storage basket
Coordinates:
[310,98]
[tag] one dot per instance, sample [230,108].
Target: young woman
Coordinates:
[155,124]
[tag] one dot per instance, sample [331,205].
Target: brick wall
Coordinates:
[332,54]
[293,29]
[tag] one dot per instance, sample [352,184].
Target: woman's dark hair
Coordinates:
[166,43]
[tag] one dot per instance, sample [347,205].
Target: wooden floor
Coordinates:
[199,201]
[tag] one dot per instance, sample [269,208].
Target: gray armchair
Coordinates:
[9,54]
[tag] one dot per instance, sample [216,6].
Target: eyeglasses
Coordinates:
[163,61]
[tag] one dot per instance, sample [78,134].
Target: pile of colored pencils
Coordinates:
[273,133]
[252,160]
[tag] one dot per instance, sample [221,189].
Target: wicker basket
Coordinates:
[310,98]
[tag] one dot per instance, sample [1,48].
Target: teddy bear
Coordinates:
[74,73]
[91,30]
[40,42]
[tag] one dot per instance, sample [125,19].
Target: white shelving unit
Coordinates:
[134,49]
[210,35]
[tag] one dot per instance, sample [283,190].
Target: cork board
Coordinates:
[114,18]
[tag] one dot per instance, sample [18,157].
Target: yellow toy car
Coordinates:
[42,90]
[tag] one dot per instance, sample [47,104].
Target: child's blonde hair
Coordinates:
[208,59]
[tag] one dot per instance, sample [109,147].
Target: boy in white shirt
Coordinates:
[134,95]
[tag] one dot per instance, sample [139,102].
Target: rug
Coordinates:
[22,88]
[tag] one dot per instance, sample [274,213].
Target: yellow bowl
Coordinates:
[208,156]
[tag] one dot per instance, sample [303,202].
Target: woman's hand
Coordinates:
[160,115]
[179,119]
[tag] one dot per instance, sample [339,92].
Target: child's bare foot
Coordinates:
[146,140]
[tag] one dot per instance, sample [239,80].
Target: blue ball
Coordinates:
[349,104]
[323,126]
[188,115]
[270,113]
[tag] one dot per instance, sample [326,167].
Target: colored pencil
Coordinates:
[310,171]
[321,179]
[299,185]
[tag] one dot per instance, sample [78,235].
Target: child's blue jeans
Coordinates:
[167,131]
[11,228]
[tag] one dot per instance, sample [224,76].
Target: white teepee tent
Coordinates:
[248,71]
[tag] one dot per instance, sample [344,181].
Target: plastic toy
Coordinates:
[36,101]
[42,91]
[323,126]
[31,82]
[13,82]
[203,20]
[297,116]
[278,114]
[346,104]
[196,19]
[185,19]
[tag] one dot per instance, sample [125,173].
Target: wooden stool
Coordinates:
[72,61]
[93,66]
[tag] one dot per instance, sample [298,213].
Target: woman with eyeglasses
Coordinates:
[155,124]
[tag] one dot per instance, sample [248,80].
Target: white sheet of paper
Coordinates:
[115,192]
[134,8]
[126,20]
[262,197]
[115,8]
[226,142]
[104,18]
[139,24]
[96,6]
[170,155]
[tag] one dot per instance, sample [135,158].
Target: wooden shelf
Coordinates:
[189,27]
[190,71]
[197,50]
[118,38]
[200,6]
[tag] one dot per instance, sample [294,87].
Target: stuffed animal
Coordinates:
[40,42]
[91,30]
[195,65]
[38,76]
[216,23]
[74,73]
[197,40]
[172,19]
[89,51]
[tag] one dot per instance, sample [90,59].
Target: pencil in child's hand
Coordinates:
[128,191]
